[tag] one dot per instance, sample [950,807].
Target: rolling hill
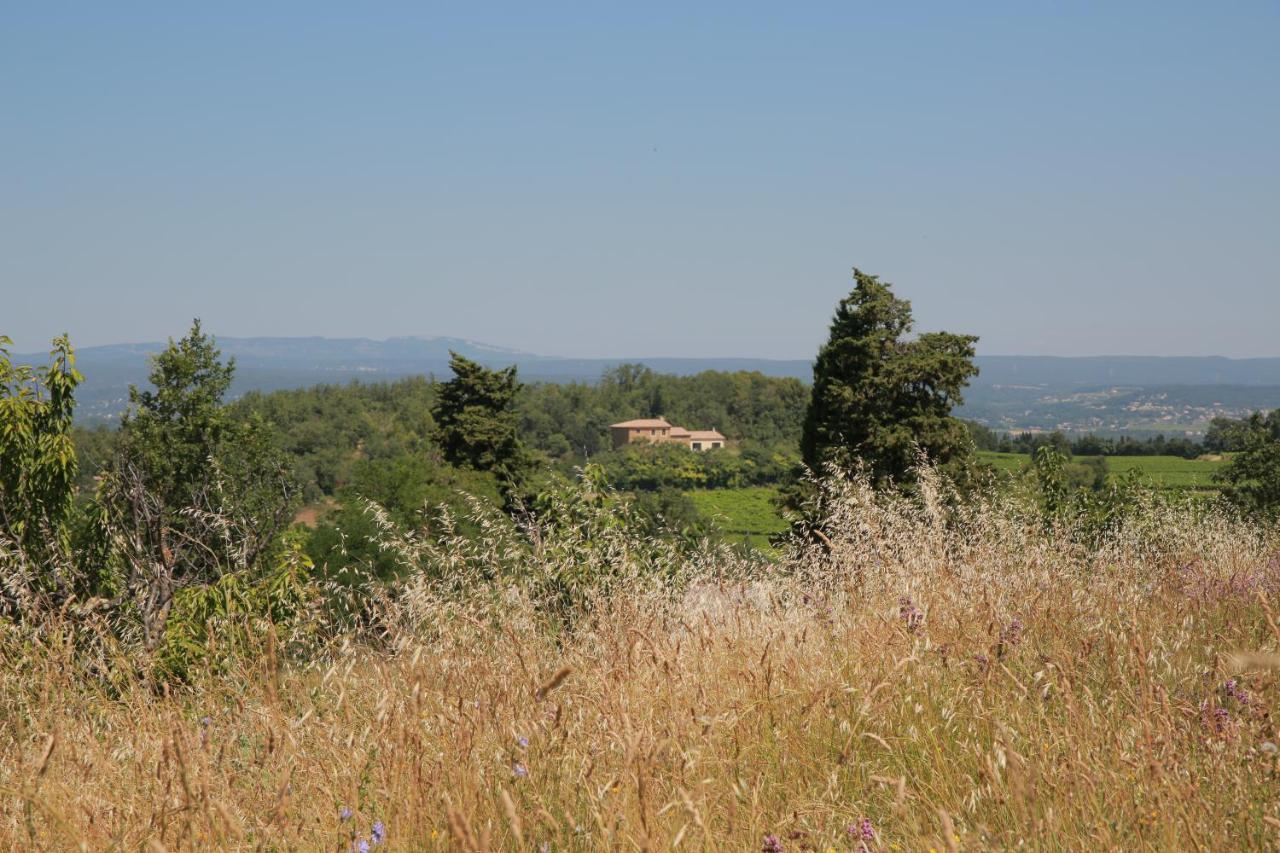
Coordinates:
[1116,394]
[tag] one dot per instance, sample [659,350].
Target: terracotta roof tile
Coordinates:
[642,423]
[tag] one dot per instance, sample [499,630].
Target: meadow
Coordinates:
[1165,472]
[750,515]
[747,515]
[931,676]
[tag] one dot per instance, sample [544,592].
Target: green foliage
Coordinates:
[587,538]
[645,467]
[95,446]
[410,489]
[748,515]
[982,436]
[192,493]
[212,627]
[1227,435]
[179,431]
[408,485]
[1049,467]
[1059,476]
[670,512]
[329,430]
[576,542]
[1074,498]
[476,418]
[1088,445]
[1253,475]
[880,399]
[38,465]
[571,421]
[172,429]
[1171,473]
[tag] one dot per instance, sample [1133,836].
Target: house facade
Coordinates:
[659,430]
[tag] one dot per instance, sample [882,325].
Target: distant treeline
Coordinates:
[1225,435]
[334,432]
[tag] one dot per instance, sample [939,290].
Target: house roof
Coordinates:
[679,432]
[642,423]
[706,435]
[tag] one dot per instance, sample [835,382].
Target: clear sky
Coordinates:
[645,178]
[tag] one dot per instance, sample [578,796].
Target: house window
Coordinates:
[653,432]
[714,445]
[697,445]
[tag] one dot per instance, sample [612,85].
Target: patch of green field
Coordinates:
[1167,472]
[1011,463]
[742,514]
[1170,472]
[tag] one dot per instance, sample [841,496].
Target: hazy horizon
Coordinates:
[639,182]
[625,357]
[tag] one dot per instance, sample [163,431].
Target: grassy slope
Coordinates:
[744,514]
[1170,472]
[749,514]
[981,688]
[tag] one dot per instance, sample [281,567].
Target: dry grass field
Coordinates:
[930,679]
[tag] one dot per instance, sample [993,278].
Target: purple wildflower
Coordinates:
[771,844]
[345,814]
[362,845]
[1216,719]
[520,770]
[205,722]
[862,830]
[1233,689]
[910,615]
[1012,635]
[379,832]
[523,743]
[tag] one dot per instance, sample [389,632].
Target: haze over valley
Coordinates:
[1113,395]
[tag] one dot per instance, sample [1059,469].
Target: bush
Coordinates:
[213,629]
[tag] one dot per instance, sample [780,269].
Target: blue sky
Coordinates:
[643,179]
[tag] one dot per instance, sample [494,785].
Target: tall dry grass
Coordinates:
[933,679]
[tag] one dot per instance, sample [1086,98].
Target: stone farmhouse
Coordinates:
[658,430]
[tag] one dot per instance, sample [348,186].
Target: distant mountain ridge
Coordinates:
[1109,370]
[1010,391]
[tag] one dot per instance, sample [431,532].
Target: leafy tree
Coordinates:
[983,437]
[410,488]
[1097,445]
[1253,475]
[1049,468]
[1227,435]
[476,418]
[95,446]
[329,430]
[37,471]
[172,429]
[878,396]
[192,493]
[670,512]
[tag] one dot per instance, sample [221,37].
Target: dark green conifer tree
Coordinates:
[879,395]
[476,419]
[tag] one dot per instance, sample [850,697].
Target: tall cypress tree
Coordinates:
[476,420]
[877,395]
